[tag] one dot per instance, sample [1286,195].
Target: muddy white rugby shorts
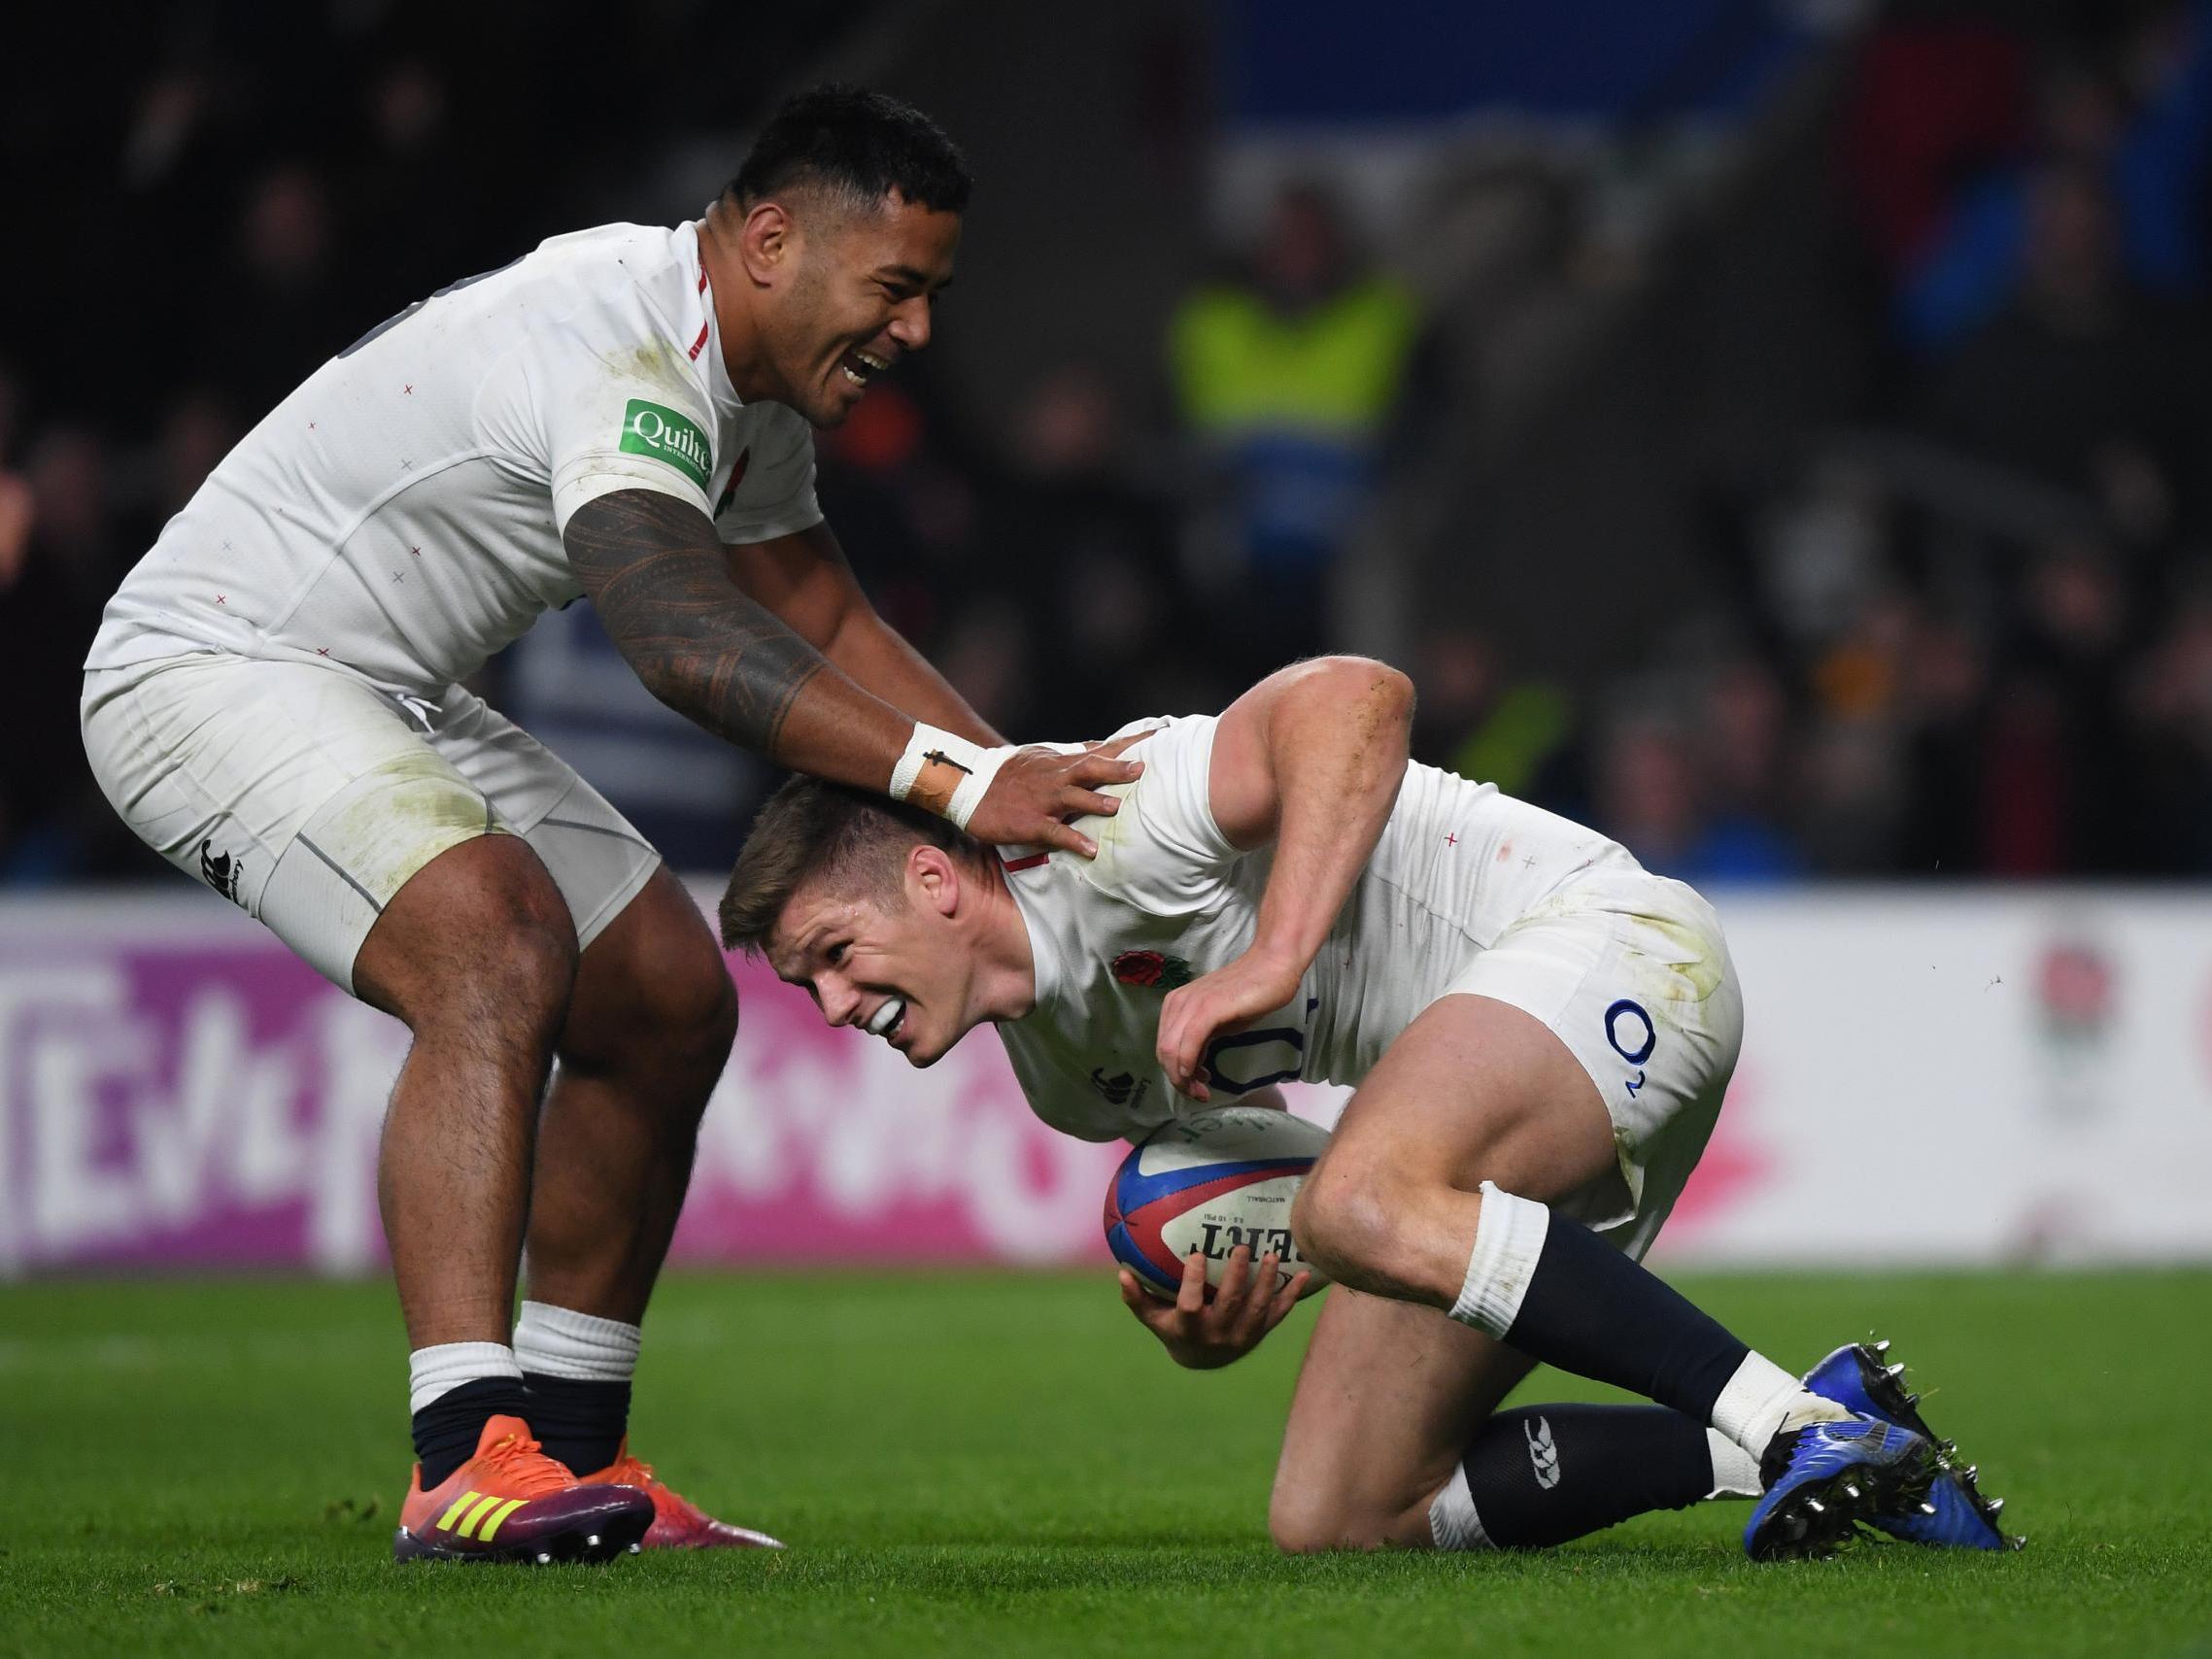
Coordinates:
[308,797]
[1631,971]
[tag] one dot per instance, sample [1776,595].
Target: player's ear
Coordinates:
[766,241]
[933,878]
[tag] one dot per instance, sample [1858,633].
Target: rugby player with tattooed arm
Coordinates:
[273,703]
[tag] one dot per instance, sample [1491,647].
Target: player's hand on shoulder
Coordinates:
[1202,1329]
[1257,983]
[1036,790]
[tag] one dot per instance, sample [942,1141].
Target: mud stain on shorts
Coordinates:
[1695,959]
[398,816]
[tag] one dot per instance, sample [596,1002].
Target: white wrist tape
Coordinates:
[973,787]
[974,767]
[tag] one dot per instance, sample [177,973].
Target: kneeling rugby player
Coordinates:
[1539,1032]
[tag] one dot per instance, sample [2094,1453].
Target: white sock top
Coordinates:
[444,1366]
[559,1341]
[1761,1400]
[1509,1238]
[1454,1523]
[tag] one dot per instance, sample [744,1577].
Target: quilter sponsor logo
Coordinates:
[655,429]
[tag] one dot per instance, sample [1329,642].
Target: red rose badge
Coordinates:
[1151,970]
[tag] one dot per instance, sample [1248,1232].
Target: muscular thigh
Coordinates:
[1629,979]
[1474,1090]
[1581,1062]
[1479,1090]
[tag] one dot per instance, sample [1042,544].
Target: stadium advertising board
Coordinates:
[1978,1078]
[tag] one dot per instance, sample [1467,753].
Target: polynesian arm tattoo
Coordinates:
[654,569]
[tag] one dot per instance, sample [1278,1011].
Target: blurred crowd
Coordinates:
[1967,632]
[1973,635]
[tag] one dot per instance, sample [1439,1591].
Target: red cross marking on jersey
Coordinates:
[321,651]
[1451,839]
[407,391]
[416,551]
[223,599]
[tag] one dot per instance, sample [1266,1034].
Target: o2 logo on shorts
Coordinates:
[1629,1029]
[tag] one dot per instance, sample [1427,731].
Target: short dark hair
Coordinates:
[858,145]
[810,829]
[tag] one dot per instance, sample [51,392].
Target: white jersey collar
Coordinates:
[718,385]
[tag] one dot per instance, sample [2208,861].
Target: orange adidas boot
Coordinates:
[511,1503]
[678,1523]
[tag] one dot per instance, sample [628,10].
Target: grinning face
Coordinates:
[846,294]
[905,973]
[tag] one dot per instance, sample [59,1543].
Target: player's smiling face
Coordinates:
[856,300]
[901,973]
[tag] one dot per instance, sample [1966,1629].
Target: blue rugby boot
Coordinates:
[1824,1479]
[1953,1515]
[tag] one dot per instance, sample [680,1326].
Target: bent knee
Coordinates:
[694,1014]
[480,935]
[1360,1226]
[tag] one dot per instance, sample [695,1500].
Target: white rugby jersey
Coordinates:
[1169,898]
[399,515]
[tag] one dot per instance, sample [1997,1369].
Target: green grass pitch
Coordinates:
[999,1463]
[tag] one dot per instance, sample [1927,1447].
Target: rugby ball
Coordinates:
[1210,1182]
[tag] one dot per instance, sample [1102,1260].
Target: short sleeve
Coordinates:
[1163,850]
[619,413]
[771,491]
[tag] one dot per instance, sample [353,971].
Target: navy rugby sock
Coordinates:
[1543,1475]
[1591,1311]
[447,1429]
[580,1423]
[1558,1292]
